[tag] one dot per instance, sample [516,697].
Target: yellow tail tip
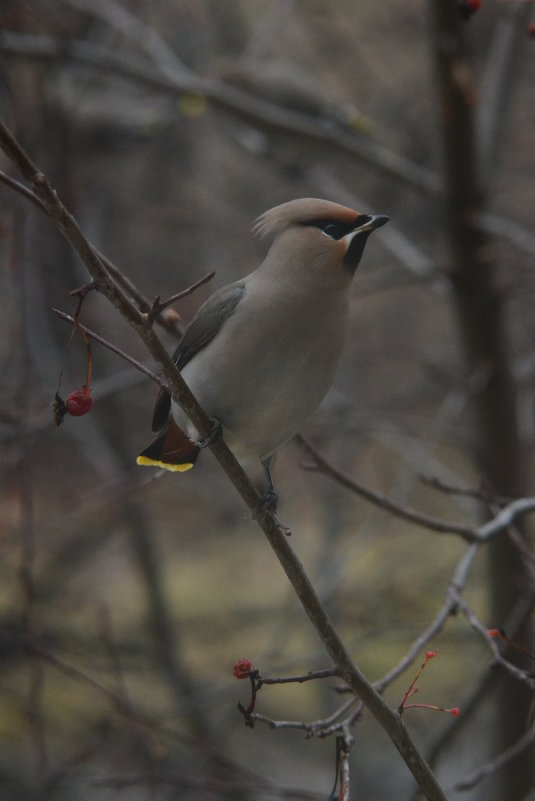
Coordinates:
[144,461]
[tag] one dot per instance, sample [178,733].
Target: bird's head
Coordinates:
[317,234]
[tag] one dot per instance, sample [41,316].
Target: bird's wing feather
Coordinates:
[200,332]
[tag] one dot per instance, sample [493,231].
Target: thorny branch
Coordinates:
[265,519]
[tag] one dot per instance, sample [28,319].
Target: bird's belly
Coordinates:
[261,401]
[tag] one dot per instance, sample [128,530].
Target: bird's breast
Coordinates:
[267,370]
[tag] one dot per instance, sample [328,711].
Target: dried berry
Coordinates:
[242,668]
[79,402]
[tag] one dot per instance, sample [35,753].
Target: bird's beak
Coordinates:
[355,243]
[375,222]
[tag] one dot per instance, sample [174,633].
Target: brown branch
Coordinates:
[110,346]
[338,721]
[142,301]
[121,279]
[313,674]
[321,464]
[265,519]
[522,675]
[472,534]
[134,714]
[159,305]
[23,190]
[468,492]
[498,762]
[448,608]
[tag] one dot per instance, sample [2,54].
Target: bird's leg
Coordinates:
[213,436]
[271,496]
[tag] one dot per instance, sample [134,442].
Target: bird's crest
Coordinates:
[300,212]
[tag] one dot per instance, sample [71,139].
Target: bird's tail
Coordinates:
[171,449]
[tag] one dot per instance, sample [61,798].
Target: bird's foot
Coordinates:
[213,436]
[270,500]
[269,503]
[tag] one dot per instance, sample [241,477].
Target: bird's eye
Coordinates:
[332,230]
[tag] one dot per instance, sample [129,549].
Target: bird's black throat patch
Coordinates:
[355,251]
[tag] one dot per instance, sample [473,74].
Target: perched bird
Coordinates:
[260,354]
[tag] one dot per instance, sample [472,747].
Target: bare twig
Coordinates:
[522,675]
[498,762]
[134,714]
[468,492]
[159,305]
[313,674]
[110,346]
[321,464]
[121,279]
[506,516]
[472,534]
[23,190]
[447,609]
[342,750]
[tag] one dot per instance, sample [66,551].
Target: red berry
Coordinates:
[79,402]
[242,668]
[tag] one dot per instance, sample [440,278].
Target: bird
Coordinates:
[261,353]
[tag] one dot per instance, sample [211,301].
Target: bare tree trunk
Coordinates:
[481,305]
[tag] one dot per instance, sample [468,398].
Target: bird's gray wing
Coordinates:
[202,329]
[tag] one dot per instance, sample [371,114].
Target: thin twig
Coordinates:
[472,534]
[522,675]
[313,674]
[498,762]
[23,190]
[159,305]
[320,464]
[123,281]
[468,492]
[110,346]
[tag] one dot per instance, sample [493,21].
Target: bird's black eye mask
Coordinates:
[335,229]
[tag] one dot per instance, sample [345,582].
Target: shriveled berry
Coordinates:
[79,402]
[242,668]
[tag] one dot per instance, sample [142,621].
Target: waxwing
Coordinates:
[260,354]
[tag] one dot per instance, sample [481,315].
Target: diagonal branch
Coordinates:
[472,534]
[321,464]
[113,348]
[389,719]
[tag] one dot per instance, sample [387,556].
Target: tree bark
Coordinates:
[481,307]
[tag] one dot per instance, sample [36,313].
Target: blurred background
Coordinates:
[125,596]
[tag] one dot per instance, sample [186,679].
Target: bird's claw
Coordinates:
[270,500]
[213,436]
